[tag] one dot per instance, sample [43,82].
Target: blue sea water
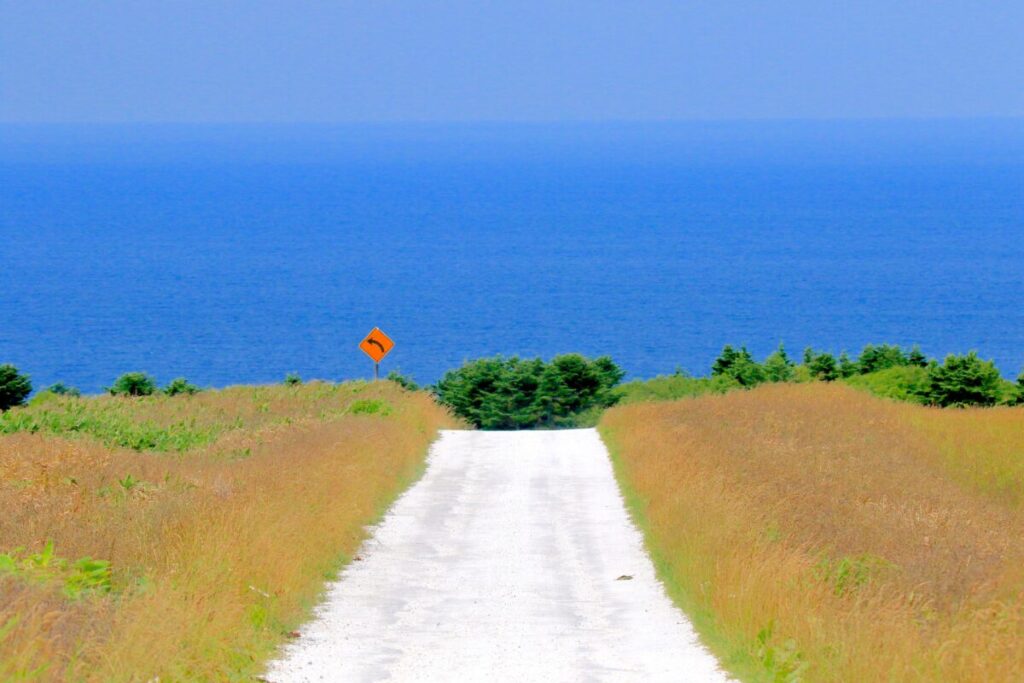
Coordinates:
[237,254]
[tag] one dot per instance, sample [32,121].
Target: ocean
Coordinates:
[237,254]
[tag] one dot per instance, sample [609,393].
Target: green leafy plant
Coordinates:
[61,389]
[404,381]
[739,365]
[180,385]
[370,406]
[965,380]
[513,393]
[14,387]
[292,379]
[821,365]
[778,367]
[133,384]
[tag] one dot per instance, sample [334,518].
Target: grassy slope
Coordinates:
[816,532]
[218,548]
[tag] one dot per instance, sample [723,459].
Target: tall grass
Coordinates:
[216,552]
[815,532]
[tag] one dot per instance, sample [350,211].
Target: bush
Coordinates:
[1019,399]
[821,366]
[14,387]
[739,365]
[133,384]
[180,385]
[875,358]
[964,381]
[512,393]
[61,389]
[847,368]
[404,381]
[778,367]
[907,383]
[292,379]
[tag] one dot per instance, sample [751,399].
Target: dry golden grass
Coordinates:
[215,557]
[818,533]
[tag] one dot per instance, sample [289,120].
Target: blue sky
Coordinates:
[520,60]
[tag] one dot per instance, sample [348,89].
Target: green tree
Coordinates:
[874,358]
[739,365]
[133,384]
[916,358]
[61,389]
[847,368]
[1019,400]
[14,387]
[292,379]
[778,367]
[404,381]
[512,393]
[964,381]
[822,366]
[180,385]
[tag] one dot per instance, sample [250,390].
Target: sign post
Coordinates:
[376,346]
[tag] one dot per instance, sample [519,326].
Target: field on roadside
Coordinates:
[184,537]
[816,532]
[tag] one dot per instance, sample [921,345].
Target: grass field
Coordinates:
[815,532]
[185,537]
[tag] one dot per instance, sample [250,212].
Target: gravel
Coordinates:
[512,559]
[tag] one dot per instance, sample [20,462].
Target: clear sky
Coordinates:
[518,60]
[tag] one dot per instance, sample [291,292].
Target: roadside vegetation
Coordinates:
[514,393]
[815,532]
[183,535]
[884,370]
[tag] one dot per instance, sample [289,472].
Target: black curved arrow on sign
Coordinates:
[376,343]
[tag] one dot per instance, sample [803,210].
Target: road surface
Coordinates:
[512,559]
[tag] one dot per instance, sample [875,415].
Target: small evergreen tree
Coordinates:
[916,358]
[14,387]
[180,385]
[874,358]
[404,381]
[292,379]
[822,366]
[739,365]
[511,393]
[61,389]
[778,367]
[133,384]
[964,381]
[1019,400]
[847,368]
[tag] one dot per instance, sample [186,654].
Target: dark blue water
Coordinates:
[233,255]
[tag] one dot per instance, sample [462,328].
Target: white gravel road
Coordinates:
[505,562]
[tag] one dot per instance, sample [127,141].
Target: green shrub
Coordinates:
[778,367]
[821,366]
[404,381]
[370,406]
[61,389]
[292,379]
[847,368]
[875,358]
[1019,398]
[180,385]
[133,384]
[14,387]
[964,381]
[906,383]
[512,393]
[674,387]
[739,365]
